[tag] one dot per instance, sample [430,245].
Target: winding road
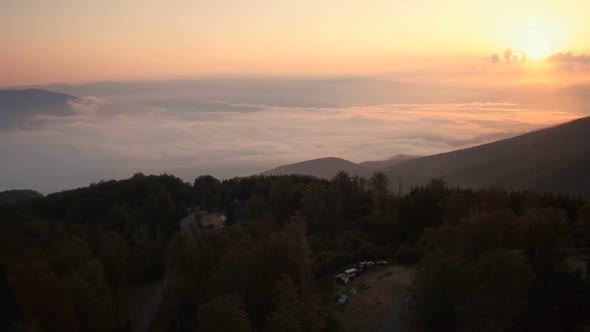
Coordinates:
[188,229]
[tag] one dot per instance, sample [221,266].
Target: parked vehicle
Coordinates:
[351,273]
[342,300]
[360,267]
[341,279]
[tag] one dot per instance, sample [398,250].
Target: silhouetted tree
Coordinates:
[225,314]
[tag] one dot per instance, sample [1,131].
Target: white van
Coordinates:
[351,273]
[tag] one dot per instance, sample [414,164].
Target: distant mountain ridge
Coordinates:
[328,167]
[19,106]
[322,168]
[17,195]
[381,164]
[555,159]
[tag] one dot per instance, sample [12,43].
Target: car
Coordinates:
[370,265]
[382,263]
[342,300]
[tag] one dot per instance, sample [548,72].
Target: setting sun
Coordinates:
[535,38]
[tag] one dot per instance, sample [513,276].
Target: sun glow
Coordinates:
[536,38]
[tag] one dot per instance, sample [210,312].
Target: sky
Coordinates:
[233,88]
[81,41]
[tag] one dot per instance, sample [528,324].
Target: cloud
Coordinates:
[569,57]
[508,56]
[569,60]
[86,105]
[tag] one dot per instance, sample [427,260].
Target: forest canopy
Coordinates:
[486,260]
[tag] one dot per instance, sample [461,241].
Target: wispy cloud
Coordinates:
[87,105]
[569,57]
[569,61]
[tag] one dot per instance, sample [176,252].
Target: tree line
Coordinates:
[486,260]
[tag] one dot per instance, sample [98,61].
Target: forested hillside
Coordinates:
[555,159]
[382,164]
[487,260]
[13,196]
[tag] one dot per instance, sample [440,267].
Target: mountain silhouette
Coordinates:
[381,164]
[555,159]
[19,107]
[17,195]
[322,168]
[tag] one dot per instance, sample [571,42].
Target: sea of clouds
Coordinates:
[241,127]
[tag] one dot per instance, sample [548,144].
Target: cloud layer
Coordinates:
[569,61]
[188,135]
[569,57]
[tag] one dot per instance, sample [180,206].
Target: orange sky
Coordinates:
[75,41]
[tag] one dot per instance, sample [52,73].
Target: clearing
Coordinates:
[377,306]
